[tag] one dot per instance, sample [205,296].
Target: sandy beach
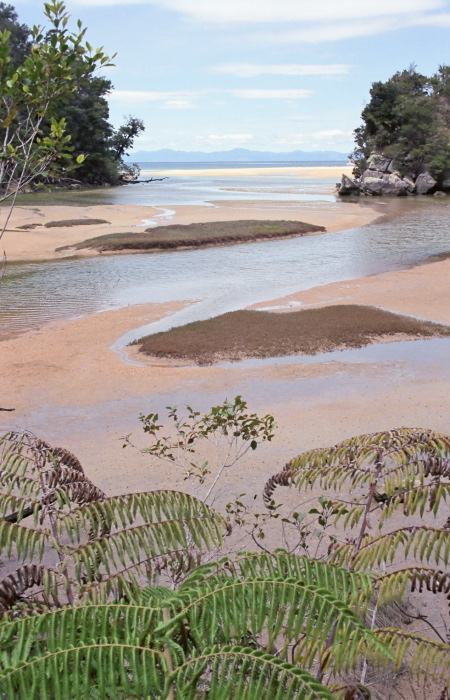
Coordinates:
[318,171]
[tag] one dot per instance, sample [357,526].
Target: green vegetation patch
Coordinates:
[244,334]
[75,222]
[195,235]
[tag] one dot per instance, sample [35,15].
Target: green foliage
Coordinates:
[34,142]
[71,93]
[229,427]
[270,625]
[403,473]
[74,543]
[407,119]
[218,633]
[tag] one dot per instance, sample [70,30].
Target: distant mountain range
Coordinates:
[236,155]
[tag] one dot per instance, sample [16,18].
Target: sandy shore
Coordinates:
[318,171]
[67,385]
[41,243]
[422,291]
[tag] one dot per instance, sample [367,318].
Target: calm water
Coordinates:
[221,279]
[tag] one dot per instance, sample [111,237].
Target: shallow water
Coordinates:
[219,279]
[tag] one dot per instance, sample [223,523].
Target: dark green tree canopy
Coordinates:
[408,119]
[86,114]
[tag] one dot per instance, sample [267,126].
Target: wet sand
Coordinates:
[423,291]
[42,243]
[67,385]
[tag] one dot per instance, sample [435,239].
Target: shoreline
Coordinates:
[41,243]
[316,171]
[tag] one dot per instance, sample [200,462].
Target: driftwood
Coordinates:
[139,182]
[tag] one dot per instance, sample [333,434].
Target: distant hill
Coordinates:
[236,155]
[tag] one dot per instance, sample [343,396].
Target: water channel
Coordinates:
[226,278]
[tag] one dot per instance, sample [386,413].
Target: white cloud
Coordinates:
[184,99]
[327,138]
[178,104]
[284,11]
[250,70]
[272,94]
[171,100]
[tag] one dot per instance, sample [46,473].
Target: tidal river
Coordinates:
[221,279]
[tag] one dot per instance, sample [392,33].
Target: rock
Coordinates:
[411,187]
[439,193]
[446,184]
[348,186]
[374,182]
[425,183]
[379,162]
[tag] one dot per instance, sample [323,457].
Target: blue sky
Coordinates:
[276,75]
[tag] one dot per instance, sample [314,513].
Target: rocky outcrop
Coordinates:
[383,178]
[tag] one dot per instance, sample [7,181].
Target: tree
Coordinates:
[30,92]
[19,40]
[86,114]
[407,119]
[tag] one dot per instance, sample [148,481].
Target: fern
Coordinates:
[180,640]
[94,546]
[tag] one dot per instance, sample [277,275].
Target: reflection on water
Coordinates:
[223,279]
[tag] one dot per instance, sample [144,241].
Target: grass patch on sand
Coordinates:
[244,334]
[196,235]
[67,223]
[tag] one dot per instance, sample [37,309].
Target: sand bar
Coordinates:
[41,243]
[422,291]
[317,171]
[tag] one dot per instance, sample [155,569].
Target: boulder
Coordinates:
[446,184]
[348,186]
[425,183]
[411,187]
[379,162]
[374,182]
[439,193]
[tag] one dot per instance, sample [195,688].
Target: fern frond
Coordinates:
[15,586]
[274,607]
[123,511]
[424,543]
[62,628]
[244,674]
[24,542]
[404,453]
[128,548]
[121,670]
[425,656]
[393,586]
[349,586]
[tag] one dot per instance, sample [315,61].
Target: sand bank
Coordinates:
[41,243]
[69,387]
[422,291]
[317,171]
